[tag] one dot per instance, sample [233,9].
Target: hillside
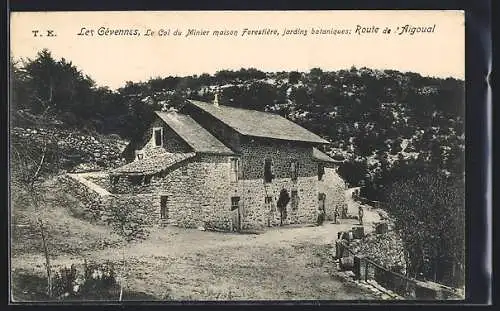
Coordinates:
[401,136]
[378,120]
[68,230]
[70,150]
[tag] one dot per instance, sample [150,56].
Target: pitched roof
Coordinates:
[152,165]
[323,157]
[193,133]
[258,123]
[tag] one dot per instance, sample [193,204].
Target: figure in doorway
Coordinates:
[360,215]
[336,215]
[281,204]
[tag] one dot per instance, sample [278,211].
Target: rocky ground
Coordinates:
[385,249]
[77,151]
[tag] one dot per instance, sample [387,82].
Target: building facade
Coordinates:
[221,167]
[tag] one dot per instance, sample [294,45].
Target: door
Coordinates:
[294,201]
[164,208]
[322,198]
[236,213]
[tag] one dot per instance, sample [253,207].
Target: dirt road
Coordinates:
[188,264]
[175,263]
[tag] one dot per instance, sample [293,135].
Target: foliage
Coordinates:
[96,280]
[429,213]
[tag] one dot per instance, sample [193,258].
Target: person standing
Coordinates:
[360,214]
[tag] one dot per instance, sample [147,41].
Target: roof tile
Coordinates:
[152,165]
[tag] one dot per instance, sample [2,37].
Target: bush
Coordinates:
[98,279]
[95,281]
[65,281]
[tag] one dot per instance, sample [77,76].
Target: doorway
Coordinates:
[235,213]
[164,208]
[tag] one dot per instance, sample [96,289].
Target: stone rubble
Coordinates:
[78,152]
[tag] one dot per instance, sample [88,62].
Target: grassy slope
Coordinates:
[67,230]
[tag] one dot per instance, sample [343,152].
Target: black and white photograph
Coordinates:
[237,156]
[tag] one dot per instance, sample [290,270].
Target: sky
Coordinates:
[111,60]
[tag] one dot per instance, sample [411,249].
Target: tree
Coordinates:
[29,165]
[294,77]
[429,213]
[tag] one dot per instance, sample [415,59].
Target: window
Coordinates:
[268,170]
[235,202]
[147,179]
[163,207]
[235,168]
[321,171]
[158,136]
[136,180]
[268,200]
[294,170]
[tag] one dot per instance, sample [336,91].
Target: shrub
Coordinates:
[65,281]
[95,281]
[98,278]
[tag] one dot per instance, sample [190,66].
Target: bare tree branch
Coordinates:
[35,176]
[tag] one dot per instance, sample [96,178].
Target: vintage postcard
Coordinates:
[237,155]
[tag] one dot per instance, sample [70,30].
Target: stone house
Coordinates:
[221,167]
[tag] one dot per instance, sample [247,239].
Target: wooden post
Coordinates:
[366,271]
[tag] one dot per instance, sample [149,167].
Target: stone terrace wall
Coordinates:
[147,206]
[94,202]
[77,151]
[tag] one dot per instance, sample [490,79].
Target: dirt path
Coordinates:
[370,214]
[175,263]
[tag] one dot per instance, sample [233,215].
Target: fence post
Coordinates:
[357,267]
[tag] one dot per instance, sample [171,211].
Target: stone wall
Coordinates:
[94,203]
[198,192]
[146,206]
[77,151]
[256,213]
[171,141]
[255,151]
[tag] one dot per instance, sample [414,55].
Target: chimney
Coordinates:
[216,97]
